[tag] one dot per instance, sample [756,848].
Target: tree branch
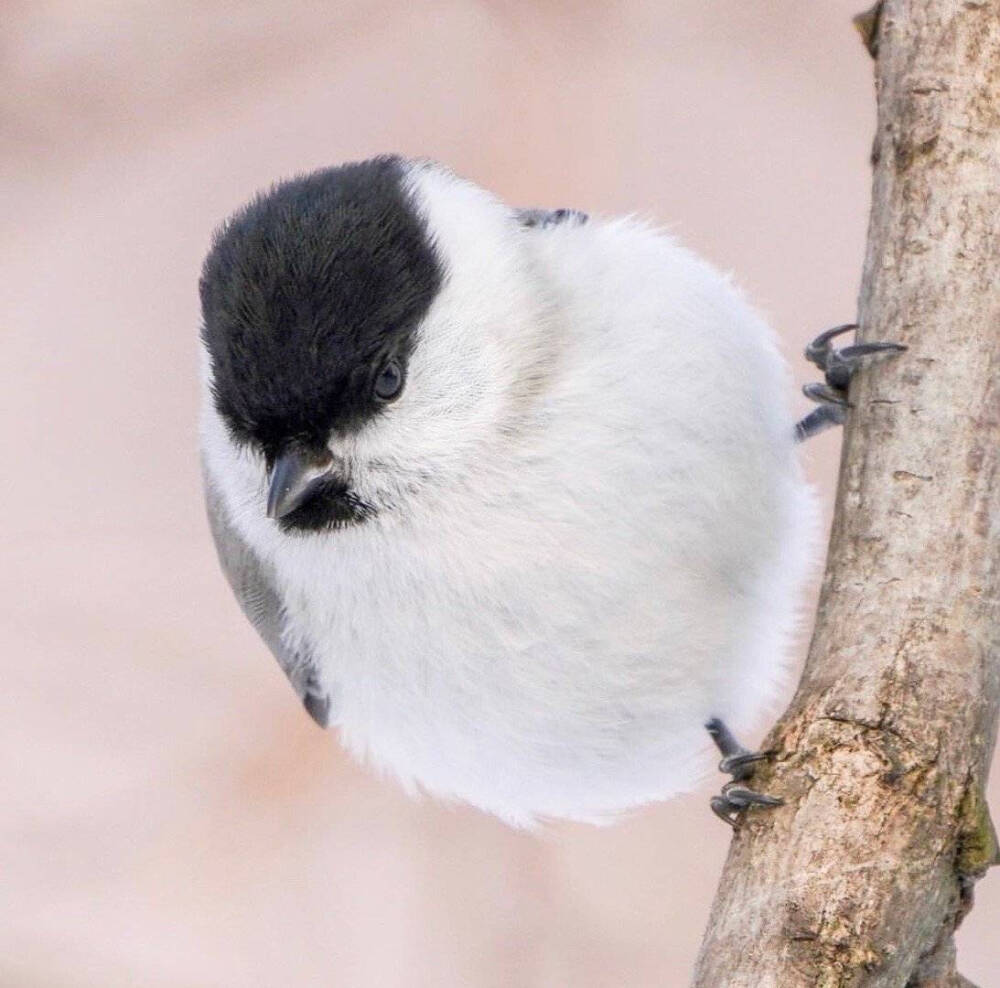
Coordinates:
[882,756]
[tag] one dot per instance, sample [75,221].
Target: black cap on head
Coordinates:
[305,294]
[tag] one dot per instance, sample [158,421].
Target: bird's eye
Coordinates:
[389,383]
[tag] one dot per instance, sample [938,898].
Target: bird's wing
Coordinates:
[253,584]
[544,218]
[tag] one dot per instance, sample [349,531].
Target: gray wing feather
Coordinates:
[545,218]
[253,584]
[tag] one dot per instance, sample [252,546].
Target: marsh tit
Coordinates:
[512,495]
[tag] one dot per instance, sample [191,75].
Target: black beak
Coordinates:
[296,473]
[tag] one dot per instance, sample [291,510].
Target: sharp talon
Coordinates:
[741,766]
[724,811]
[816,351]
[851,353]
[741,797]
[824,393]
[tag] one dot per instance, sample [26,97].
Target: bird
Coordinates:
[512,495]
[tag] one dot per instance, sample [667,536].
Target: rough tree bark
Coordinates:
[861,878]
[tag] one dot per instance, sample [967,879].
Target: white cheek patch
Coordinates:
[467,368]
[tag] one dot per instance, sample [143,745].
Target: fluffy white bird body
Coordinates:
[592,523]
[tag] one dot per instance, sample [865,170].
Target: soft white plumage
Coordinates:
[592,523]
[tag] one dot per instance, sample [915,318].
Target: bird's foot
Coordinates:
[837,366]
[738,762]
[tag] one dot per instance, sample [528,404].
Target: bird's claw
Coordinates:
[740,766]
[734,799]
[837,366]
[818,351]
[738,762]
[825,394]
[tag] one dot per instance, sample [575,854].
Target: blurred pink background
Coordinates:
[169,815]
